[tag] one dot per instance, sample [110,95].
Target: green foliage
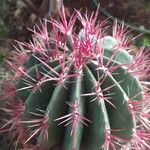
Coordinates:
[1,57]
[146,41]
[3,32]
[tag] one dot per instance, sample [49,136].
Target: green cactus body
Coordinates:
[112,114]
[78,99]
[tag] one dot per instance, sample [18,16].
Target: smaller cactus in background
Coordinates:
[78,90]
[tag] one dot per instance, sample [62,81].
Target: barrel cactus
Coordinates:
[77,89]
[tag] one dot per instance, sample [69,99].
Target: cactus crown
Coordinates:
[87,81]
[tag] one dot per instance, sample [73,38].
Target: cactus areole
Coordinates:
[80,90]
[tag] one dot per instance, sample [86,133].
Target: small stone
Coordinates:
[33,17]
[17,13]
[21,4]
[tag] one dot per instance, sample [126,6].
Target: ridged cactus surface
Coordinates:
[78,90]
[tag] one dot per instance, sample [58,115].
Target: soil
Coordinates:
[134,12]
[78,4]
[17,22]
[16,18]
